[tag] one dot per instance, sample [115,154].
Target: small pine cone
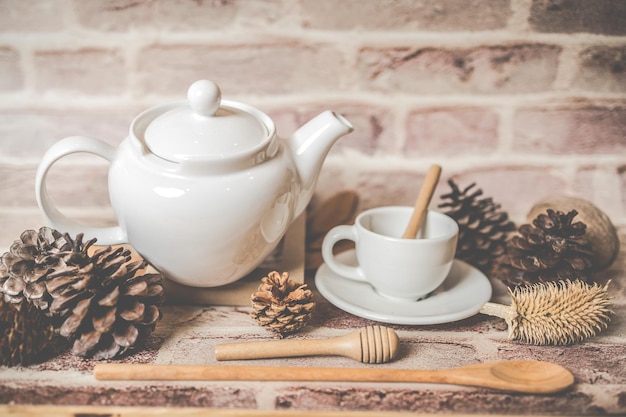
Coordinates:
[483,229]
[26,334]
[25,268]
[281,304]
[551,249]
[106,306]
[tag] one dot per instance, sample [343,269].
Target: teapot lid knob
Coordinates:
[204,97]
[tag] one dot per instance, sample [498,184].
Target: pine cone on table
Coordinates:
[483,228]
[26,334]
[25,268]
[552,249]
[281,304]
[108,305]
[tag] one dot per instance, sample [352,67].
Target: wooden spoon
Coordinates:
[372,344]
[422,202]
[534,377]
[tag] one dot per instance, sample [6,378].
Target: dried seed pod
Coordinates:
[554,313]
[600,233]
[552,248]
[282,305]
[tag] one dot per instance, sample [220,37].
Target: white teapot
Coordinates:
[204,190]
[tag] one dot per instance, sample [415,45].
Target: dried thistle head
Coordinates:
[558,313]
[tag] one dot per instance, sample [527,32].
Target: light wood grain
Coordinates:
[372,344]
[422,202]
[119,411]
[518,376]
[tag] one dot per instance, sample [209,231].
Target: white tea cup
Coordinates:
[397,268]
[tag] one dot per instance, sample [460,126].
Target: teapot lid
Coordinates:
[203,127]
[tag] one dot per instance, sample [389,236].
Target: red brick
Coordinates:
[29,133]
[602,69]
[12,225]
[394,187]
[606,17]
[251,69]
[32,16]
[600,184]
[86,71]
[372,125]
[455,15]
[69,184]
[427,398]
[577,130]
[516,188]
[121,15]
[518,68]
[458,131]
[11,77]
[186,15]
[152,395]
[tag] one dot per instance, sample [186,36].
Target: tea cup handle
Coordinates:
[337,233]
[64,147]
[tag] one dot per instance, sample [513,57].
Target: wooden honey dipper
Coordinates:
[372,344]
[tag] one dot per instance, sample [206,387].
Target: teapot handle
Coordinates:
[67,146]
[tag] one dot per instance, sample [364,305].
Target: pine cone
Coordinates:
[281,304]
[107,305]
[483,229]
[26,333]
[24,269]
[552,249]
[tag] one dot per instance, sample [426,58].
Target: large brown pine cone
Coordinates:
[551,249]
[24,269]
[483,228]
[108,305]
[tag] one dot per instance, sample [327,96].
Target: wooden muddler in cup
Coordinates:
[423,199]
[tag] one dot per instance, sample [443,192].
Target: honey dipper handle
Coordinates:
[344,346]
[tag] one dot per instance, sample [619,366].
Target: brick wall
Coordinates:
[525,97]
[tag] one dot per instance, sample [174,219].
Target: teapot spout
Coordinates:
[309,146]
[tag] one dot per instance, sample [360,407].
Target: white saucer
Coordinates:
[461,295]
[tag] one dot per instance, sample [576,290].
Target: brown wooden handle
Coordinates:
[371,344]
[518,376]
[422,202]
[274,349]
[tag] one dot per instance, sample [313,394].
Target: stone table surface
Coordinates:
[188,335]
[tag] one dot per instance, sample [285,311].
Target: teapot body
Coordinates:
[202,230]
[204,190]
